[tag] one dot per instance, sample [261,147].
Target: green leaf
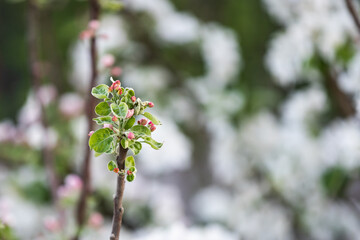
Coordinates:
[100,92]
[102,109]
[130,123]
[103,120]
[124,143]
[111,166]
[129,162]
[101,140]
[154,144]
[152,118]
[131,177]
[97,154]
[140,130]
[132,169]
[130,91]
[120,110]
[136,147]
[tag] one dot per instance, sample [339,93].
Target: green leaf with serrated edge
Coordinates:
[103,120]
[136,147]
[124,143]
[111,166]
[140,130]
[100,92]
[152,118]
[129,162]
[101,140]
[120,110]
[102,109]
[97,154]
[154,144]
[131,177]
[129,123]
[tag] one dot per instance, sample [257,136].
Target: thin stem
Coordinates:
[86,174]
[32,34]
[118,208]
[350,6]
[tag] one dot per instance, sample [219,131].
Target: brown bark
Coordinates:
[86,174]
[118,208]
[354,14]
[34,63]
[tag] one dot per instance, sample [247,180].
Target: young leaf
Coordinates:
[129,123]
[136,147]
[129,162]
[131,177]
[152,118]
[140,130]
[101,140]
[120,110]
[103,109]
[100,92]
[103,120]
[124,143]
[130,91]
[97,154]
[111,165]
[154,144]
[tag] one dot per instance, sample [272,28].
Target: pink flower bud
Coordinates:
[129,172]
[131,135]
[108,60]
[73,182]
[106,125]
[86,34]
[133,99]
[130,113]
[94,24]
[116,170]
[143,121]
[152,127]
[52,224]
[116,71]
[115,86]
[96,220]
[150,123]
[114,118]
[150,104]
[90,133]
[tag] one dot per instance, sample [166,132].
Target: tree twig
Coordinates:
[32,34]
[118,208]
[86,174]
[354,14]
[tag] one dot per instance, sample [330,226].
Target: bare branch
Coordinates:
[354,14]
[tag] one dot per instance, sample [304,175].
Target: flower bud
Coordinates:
[150,123]
[106,125]
[130,113]
[116,170]
[114,118]
[133,99]
[152,127]
[94,25]
[96,220]
[129,172]
[131,135]
[150,104]
[116,71]
[90,133]
[108,60]
[143,121]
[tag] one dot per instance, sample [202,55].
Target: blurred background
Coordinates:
[259,105]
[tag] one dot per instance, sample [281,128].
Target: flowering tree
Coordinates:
[119,134]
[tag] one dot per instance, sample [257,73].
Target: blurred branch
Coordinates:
[342,100]
[351,8]
[120,186]
[34,62]
[86,174]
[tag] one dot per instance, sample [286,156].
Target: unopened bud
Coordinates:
[152,127]
[116,170]
[130,113]
[106,125]
[114,118]
[133,99]
[90,133]
[143,121]
[116,71]
[131,135]
[150,104]
[129,172]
